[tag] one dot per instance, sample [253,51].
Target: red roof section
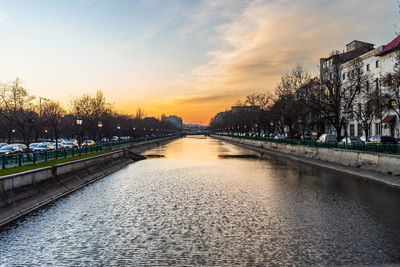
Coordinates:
[388,118]
[390,46]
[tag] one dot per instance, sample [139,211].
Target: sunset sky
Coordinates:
[189,58]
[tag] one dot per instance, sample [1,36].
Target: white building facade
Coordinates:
[376,64]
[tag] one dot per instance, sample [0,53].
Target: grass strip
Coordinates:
[48,163]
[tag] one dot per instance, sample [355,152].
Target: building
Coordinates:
[330,68]
[375,64]
[174,120]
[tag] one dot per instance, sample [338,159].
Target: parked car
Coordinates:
[114,138]
[327,138]
[10,149]
[364,139]
[70,145]
[58,145]
[279,137]
[33,145]
[43,147]
[351,140]
[23,147]
[3,144]
[378,139]
[105,139]
[306,136]
[88,143]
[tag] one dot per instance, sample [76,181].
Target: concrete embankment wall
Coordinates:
[24,192]
[365,164]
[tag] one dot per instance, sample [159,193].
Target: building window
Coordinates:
[344,76]
[367,67]
[377,129]
[377,83]
[359,130]
[377,63]
[367,86]
[352,133]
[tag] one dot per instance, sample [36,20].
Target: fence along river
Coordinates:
[206,202]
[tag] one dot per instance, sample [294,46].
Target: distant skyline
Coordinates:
[188,58]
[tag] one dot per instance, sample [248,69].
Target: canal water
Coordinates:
[201,201]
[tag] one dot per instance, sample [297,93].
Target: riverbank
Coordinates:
[375,167]
[24,192]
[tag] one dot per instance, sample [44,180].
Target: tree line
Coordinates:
[301,102]
[26,118]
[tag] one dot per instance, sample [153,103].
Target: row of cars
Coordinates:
[9,149]
[377,139]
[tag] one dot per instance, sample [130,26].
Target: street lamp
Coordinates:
[134,129]
[40,105]
[79,122]
[99,126]
[119,133]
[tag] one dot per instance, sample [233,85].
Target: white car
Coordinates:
[33,145]
[70,144]
[327,138]
[58,145]
[351,140]
[43,147]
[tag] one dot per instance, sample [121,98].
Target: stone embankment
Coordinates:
[24,192]
[377,167]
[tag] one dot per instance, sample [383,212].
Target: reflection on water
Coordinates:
[193,207]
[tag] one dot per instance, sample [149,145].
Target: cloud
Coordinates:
[269,37]
[206,99]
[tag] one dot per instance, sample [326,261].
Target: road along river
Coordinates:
[201,201]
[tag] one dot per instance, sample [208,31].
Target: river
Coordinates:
[200,201]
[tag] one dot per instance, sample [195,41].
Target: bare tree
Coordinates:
[289,106]
[334,97]
[15,101]
[53,112]
[140,114]
[262,100]
[366,100]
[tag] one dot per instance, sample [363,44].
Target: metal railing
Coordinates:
[17,160]
[368,147]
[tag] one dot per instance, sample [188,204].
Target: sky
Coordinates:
[183,57]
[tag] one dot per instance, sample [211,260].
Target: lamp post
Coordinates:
[119,133]
[12,134]
[134,129]
[99,126]
[272,126]
[45,134]
[40,105]
[79,125]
